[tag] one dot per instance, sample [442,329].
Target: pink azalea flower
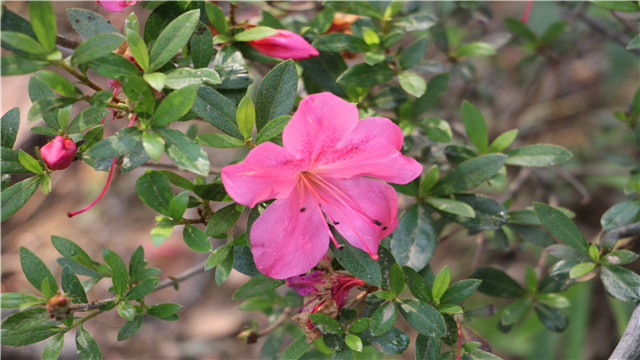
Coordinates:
[58,153]
[324,171]
[285,45]
[115,5]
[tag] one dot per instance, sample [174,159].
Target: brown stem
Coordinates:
[67,42]
[281,319]
[607,32]
[85,80]
[629,345]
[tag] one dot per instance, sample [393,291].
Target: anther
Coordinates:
[336,223]
[384,228]
[341,246]
[376,222]
[302,209]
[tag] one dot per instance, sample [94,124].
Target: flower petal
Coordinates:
[372,149]
[285,45]
[269,171]
[321,121]
[365,210]
[286,241]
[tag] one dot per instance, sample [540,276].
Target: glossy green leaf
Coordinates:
[436,87]
[339,42]
[326,323]
[216,110]
[196,239]
[30,336]
[394,341]
[17,195]
[43,23]
[412,83]
[23,42]
[95,47]
[503,141]
[460,291]
[475,126]
[184,152]
[256,286]
[360,325]
[383,318]
[620,214]
[441,283]
[224,268]
[88,118]
[469,174]
[357,262]
[246,116]
[489,214]
[119,272]
[276,93]
[354,342]
[88,23]
[452,206]
[181,77]
[29,162]
[423,317]
[414,240]
[138,49]
[174,106]
[538,155]
[621,283]
[222,220]
[620,257]
[130,328]
[172,38]
[217,18]
[561,227]
[497,283]
[156,80]
[364,75]
[427,347]
[72,286]
[201,46]
[87,346]
[53,348]
[10,124]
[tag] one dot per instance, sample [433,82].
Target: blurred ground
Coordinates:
[569,103]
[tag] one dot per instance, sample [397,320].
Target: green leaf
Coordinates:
[489,214]
[119,273]
[460,291]
[396,279]
[87,346]
[621,283]
[552,319]
[436,129]
[154,190]
[217,18]
[553,31]
[224,268]
[503,141]
[258,32]
[9,163]
[88,23]
[137,262]
[23,42]
[116,145]
[139,92]
[127,310]
[130,328]
[153,144]
[413,53]
[178,205]
[538,155]
[515,311]
[357,262]
[354,342]
[497,283]
[581,269]
[620,214]
[360,325]
[72,251]
[19,65]
[436,88]
[174,106]
[184,152]
[452,206]
[427,347]
[339,42]
[384,318]
[222,220]
[138,49]
[114,66]
[16,300]
[41,109]
[156,80]
[29,162]
[276,93]
[196,239]
[142,289]
[13,198]
[43,22]
[217,256]
[256,286]
[624,6]
[412,83]
[53,348]
[356,8]
[296,349]
[163,310]
[216,110]
[423,317]
[273,128]
[95,47]
[36,271]
[620,257]
[429,179]
[634,43]
[520,29]
[364,75]
[201,45]
[475,126]
[219,140]
[561,227]
[246,116]
[469,174]
[414,240]
[326,323]
[394,341]
[531,280]
[10,123]
[181,77]
[441,283]
[72,286]
[33,335]
[172,38]
[478,48]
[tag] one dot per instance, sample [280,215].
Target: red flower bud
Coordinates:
[58,153]
[115,5]
[285,45]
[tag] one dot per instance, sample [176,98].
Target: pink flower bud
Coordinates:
[58,153]
[285,45]
[115,5]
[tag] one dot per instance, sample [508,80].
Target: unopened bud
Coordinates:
[285,45]
[248,336]
[58,307]
[58,153]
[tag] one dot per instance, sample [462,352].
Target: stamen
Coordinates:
[376,222]
[302,209]
[340,246]
[316,199]
[336,223]
[106,186]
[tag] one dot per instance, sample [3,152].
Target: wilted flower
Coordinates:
[58,153]
[115,5]
[285,45]
[324,171]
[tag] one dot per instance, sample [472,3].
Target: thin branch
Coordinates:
[624,231]
[629,345]
[607,31]
[67,42]
[281,319]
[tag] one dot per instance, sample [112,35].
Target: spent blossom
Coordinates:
[58,153]
[285,45]
[325,171]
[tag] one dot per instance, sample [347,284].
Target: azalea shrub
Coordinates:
[347,176]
